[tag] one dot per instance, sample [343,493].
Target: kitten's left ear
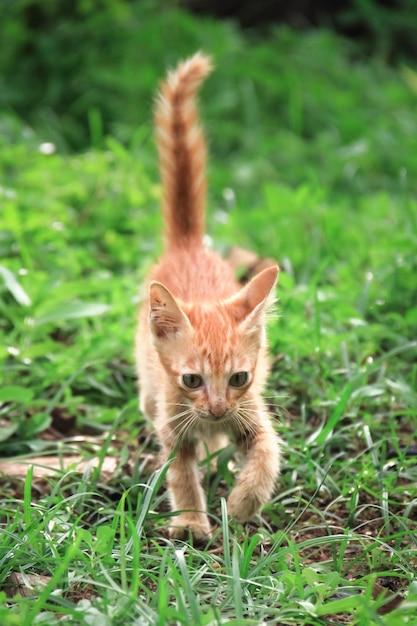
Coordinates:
[256,297]
[260,290]
[167,319]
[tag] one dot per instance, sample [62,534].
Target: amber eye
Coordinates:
[239,379]
[192,381]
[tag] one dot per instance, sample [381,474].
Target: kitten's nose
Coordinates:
[217,409]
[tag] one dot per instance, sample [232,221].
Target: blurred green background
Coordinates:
[80,69]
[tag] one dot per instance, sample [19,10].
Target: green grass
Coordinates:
[313,158]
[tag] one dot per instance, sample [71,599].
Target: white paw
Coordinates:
[242,506]
[184,524]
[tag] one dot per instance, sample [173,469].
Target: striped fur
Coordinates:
[198,321]
[182,152]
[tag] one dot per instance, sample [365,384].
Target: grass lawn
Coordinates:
[313,162]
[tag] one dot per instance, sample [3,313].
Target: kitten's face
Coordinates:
[214,363]
[210,351]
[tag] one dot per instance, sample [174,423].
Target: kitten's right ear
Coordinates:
[167,319]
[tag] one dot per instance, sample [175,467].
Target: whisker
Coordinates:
[178,416]
[248,410]
[182,422]
[243,423]
[269,406]
[184,427]
[176,404]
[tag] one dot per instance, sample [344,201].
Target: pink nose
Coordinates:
[217,409]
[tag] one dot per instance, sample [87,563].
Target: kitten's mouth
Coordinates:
[211,417]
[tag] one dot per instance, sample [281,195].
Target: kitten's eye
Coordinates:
[238,379]
[192,381]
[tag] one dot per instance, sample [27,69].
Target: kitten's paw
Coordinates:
[184,524]
[243,506]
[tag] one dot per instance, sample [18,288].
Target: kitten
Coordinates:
[201,341]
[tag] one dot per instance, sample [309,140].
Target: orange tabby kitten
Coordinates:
[201,342]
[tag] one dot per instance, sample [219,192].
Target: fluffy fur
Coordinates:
[201,342]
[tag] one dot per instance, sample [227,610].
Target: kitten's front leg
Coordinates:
[187,495]
[256,482]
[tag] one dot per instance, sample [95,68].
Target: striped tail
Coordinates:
[182,152]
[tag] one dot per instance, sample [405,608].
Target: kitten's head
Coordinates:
[213,353]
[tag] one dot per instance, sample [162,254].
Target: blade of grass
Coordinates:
[27,498]
[61,569]
[188,590]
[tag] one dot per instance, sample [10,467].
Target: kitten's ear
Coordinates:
[259,291]
[255,297]
[167,319]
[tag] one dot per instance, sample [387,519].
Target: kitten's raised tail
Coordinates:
[182,152]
